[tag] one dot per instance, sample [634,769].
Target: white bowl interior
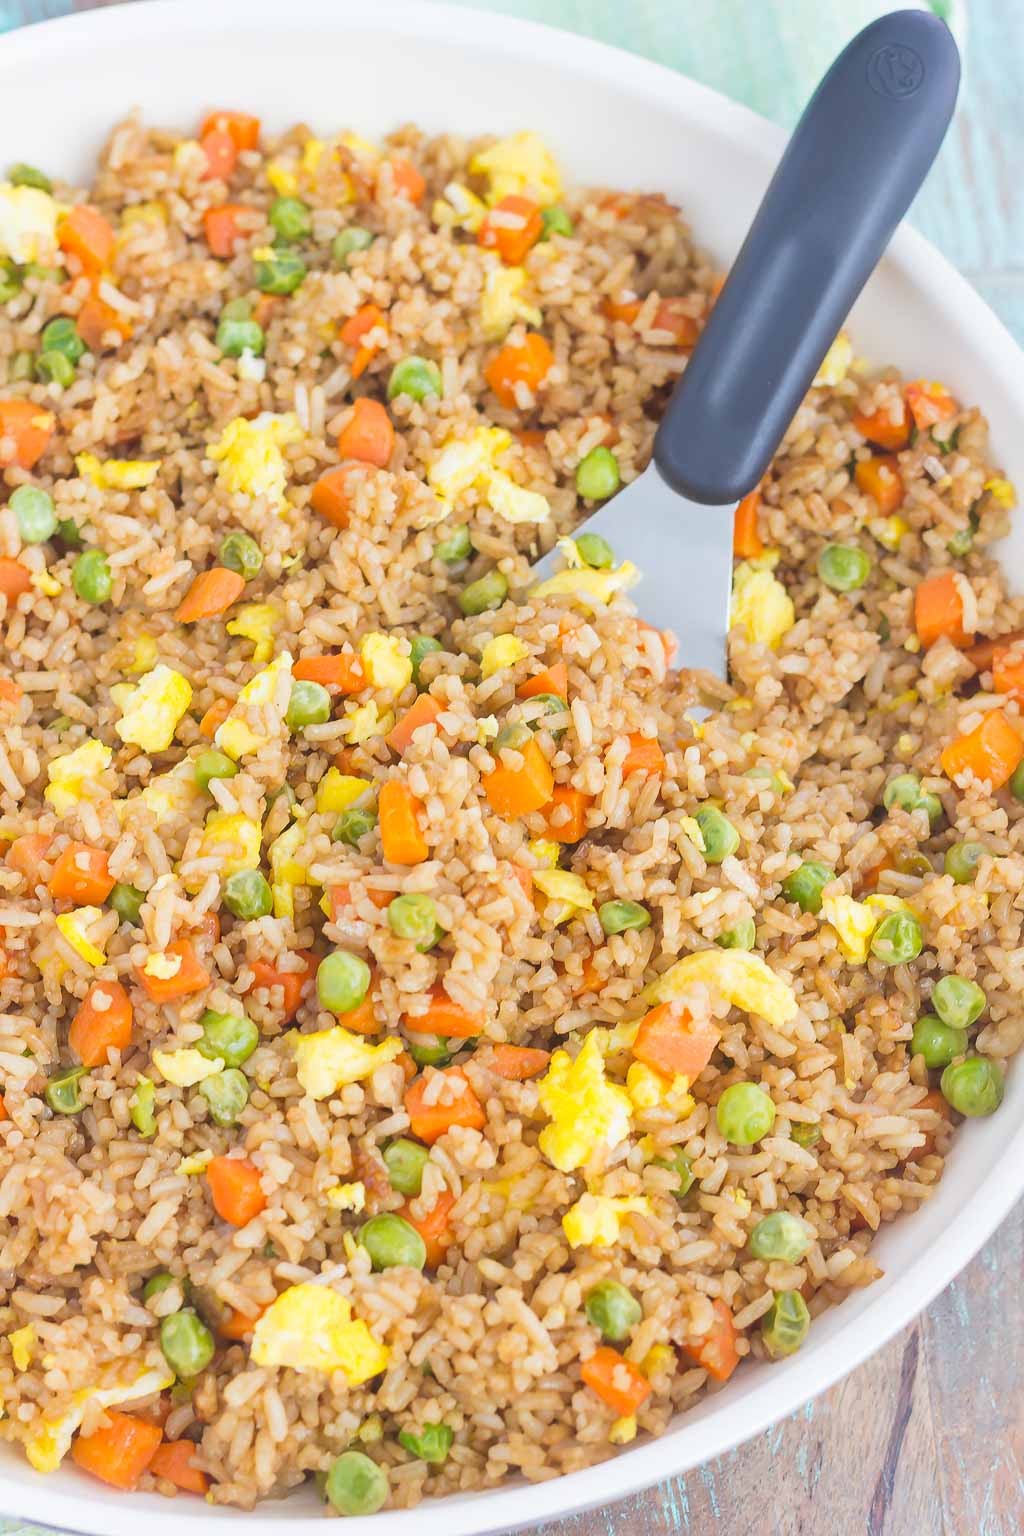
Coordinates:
[616,120]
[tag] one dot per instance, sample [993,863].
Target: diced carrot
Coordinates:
[10,691]
[616,1380]
[368,434]
[14,579]
[408,1066]
[4,1115]
[408,182]
[566,813]
[220,225]
[682,327]
[26,853]
[243,130]
[238,1325]
[880,479]
[622,309]
[746,541]
[553,680]
[880,428]
[398,816]
[102,1023]
[929,403]
[81,874]
[531,437]
[331,496]
[363,1019]
[644,755]
[517,1063]
[591,980]
[1008,671]
[424,711]
[221,154]
[983,653]
[343,670]
[517,227]
[85,233]
[293,984]
[518,791]
[868,878]
[98,322]
[528,363]
[214,718]
[523,878]
[264,307]
[119,1453]
[672,1042]
[235,1189]
[990,752]
[429,1121]
[340,897]
[352,332]
[433,1227]
[25,433]
[445,1017]
[939,610]
[716,1349]
[716,288]
[932,1100]
[173,1461]
[207,929]
[5,965]
[211,593]
[190,976]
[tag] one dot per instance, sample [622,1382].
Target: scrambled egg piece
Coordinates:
[623,1430]
[691,826]
[284,181]
[74,928]
[48,585]
[51,1441]
[258,622]
[311,1328]
[1002,492]
[285,870]
[22,1342]
[250,457]
[854,923]
[546,851]
[28,223]
[761,606]
[570,891]
[514,502]
[889,531]
[596,1220]
[586,1111]
[459,209]
[186,1067]
[520,164]
[337,791]
[273,685]
[330,1058]
[234,839]
[741,977]
[590,587]
[500,652]
[647,1089]
[145,654]
[366,720]
[460,465]
[347,1197]
[487,728]
[153,212]
[155,706]
[385,663]
[162,966]
[169,794]
[196,1163]
[117,474]
[69,774]
[502,303]
[836,363]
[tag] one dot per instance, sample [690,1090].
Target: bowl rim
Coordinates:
[98,1511]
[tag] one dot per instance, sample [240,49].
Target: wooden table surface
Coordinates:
[927,1439]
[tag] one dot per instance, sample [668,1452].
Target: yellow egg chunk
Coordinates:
[311,1328]
[232,842]
[347,1197]
[502,304]
[459,209]
[835,365]
[459,465]
[385,662]
[258,622]
[28,223]
[854,923]
[520,164]
[155,706]
[330,1058]
[592,588]
[48,1444]
[186,1067]
[514,503]
[761,606]
[596,1220]
[337,791]
[22,1342]
[250,457]
[239,735]
[285,870]
[117,474]
[70,774]
[744,979]
[585,1110]
[501,651]
[74,928]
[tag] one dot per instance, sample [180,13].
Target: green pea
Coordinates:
[280,272]
[805,1134]
[744,1114]
[428,1050]
[421,646]
[414,916]
[405,1161]
[785,1325]
[843,567]
[34,513]
[61,335]
[187,1343]
[781,1236]
[932,805]
[556,222]
[595,551]
[679,1163]
[310,704]
[542,704]
[61,724]
[342,981]
[227,1094]
[961,861]
[597,477]
[391,1241]
[141,1107]
[11,281]
[774,781]
[742,936]
[516,736]
[416,377]
[612,1310]
[898,939]
[348,242]
[1017,781]
[237,336]
[353,825]
[487,592]
[55,368]
[22,175]
[432,1444]
[622,916]
[62,1091]
[721,839]
[973,1087]
[69,532]
[904,790]
[247,895]
[228,1037]
[958,1002]
[936,1042]
[157,1284]
[43,273]
[961,543]
[291,218]
[214,765]
[237,309]
[356,1485]
[23,364]
[457,546]
[126,901]
[805,884]
[91,578]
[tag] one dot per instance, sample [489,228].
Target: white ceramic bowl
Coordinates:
[612,119]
